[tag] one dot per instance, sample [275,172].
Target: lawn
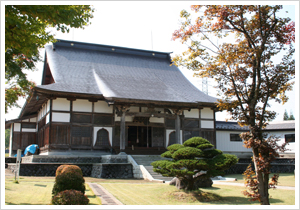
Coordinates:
[285,179]
[36,191]
[164,194]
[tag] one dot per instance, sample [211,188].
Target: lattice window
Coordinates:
[187,134]
[103,119]
[191,123]
[81,135]
[158,137]
[81,118]
[170,123]
[28,125]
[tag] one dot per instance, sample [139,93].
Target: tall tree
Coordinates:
[26,32]
[285,115]
[244,69]
[291,116]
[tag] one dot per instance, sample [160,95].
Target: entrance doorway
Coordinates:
[139,136]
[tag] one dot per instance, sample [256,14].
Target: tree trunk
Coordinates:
[263,180]
[190,183]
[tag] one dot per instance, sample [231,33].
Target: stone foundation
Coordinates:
[280,165]
[112,171]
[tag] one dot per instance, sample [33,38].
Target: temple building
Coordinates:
[97,98]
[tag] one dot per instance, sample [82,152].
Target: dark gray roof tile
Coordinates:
[119,75]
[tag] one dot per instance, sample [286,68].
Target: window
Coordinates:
[28,125]
[191,123]
[82,118]
[235,137]
[187,134]
[103,119]
[289,138]
[81,135]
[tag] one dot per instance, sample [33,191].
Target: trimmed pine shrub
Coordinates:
[69,177]
[70,197]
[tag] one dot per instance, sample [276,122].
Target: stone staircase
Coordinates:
[146,161]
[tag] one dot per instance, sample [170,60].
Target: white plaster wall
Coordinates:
[60,117]
[223,142]
[27,120]
[194,113]
[127,118]
[102,107]
[207,124]
[82,106]
[48,106]
[109,129]
[61,104]
[45,109]
[168,133]
[156,120]
[33,119]
[144,109]
[207,113]
[17,127]
[47,118]
[10,139]
[281,135]
[134,109]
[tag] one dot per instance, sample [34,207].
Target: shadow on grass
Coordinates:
[10,203]
[233,200]
[215,199]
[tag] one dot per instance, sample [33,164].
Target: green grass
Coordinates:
[36,191]
[285,179]
[164,194]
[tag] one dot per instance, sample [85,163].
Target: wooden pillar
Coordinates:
[122,132]
[177,112]
[121,111]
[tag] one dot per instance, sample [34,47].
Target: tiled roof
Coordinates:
[282,125]
[223,125]
[120,73]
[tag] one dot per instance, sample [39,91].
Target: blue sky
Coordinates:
[145,25]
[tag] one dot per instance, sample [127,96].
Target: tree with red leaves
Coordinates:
[246,71]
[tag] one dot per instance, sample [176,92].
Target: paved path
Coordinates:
[242,185]
[104,195]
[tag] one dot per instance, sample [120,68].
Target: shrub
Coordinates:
[69,177]
[59,169]
[70,197]
[65,168]
[193,163]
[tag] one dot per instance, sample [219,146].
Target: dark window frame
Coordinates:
[235,137]
[289,136]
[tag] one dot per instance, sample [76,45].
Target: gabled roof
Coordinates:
[118,73]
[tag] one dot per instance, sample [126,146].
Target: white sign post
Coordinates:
[17,172]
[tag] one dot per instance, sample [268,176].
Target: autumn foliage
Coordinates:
[244,66]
